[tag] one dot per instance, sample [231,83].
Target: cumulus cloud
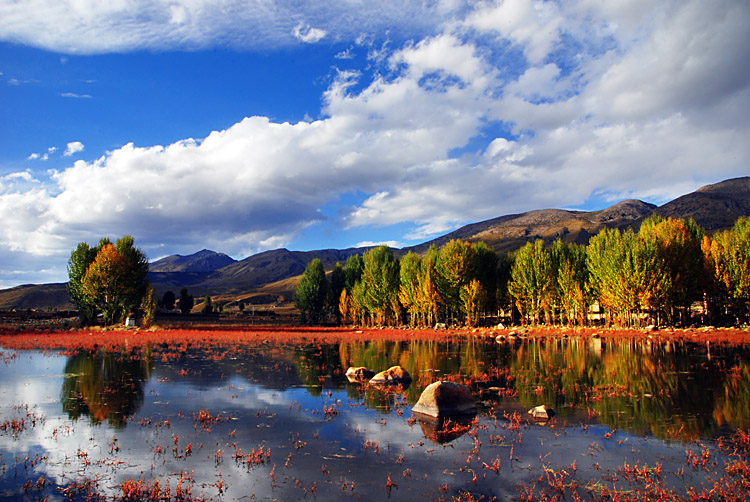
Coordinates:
[72,148]
[563,102]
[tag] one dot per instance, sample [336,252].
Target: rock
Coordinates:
[393,375]
[440,325]
[500,338]
[445,399]
[651,327]
[359,374]
[542,413]
[500,326]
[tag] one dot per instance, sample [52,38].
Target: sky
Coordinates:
[247,125]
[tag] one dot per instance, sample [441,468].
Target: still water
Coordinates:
[282,422]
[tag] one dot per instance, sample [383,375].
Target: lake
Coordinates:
[261,419]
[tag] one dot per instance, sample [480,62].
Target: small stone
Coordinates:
[542,413]
[359,373]
[393,375]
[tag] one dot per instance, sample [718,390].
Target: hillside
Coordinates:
[509,233]
[714,207]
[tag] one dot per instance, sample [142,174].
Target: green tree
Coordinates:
[168,300]
[380,279]
[186,301]
[312,292]
[728,256]
[137,275]
[571,281]
[80,260]
[532,283]
[353,270]
[207,308]
[408,293]
[616,273]
[454,269]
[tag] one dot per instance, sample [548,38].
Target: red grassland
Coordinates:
[113,338]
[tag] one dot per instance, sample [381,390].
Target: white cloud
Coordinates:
[368,244]
[72,148]
[92,26]
[614,101]
[75,96]
[308,34]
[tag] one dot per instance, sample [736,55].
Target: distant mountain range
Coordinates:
[269,277]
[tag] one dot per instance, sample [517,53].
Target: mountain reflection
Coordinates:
[105,386]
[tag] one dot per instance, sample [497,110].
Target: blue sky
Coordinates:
[254,125]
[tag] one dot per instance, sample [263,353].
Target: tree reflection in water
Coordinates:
[104,385]
[671,390]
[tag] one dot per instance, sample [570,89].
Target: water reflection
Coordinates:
[442,430]
[104,386]
[671,390]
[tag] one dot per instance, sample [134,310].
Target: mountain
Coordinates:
[713,207]
[35,296]
[245,275]
[510,232]
[272,274]
[202,261]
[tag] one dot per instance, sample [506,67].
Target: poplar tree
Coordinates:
[312,292]
[380,280]
[532,280]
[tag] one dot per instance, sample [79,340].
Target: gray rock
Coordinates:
[445,399]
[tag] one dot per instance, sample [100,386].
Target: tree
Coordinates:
[454,269]
[472,297]
[408,293]
[670,250]
[311,292]
[149,306]
[380,279]
[78,263]
[168,300]
[137,276]
[207,307]
[344,305]
[571,281]
[616,274]
[186,301]
[485,271]
[532,280]
[353,271]
[728,258]
[111,284]
[337,285]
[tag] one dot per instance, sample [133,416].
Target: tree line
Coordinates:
[654,275]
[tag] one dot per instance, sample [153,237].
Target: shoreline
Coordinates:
[111,338]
